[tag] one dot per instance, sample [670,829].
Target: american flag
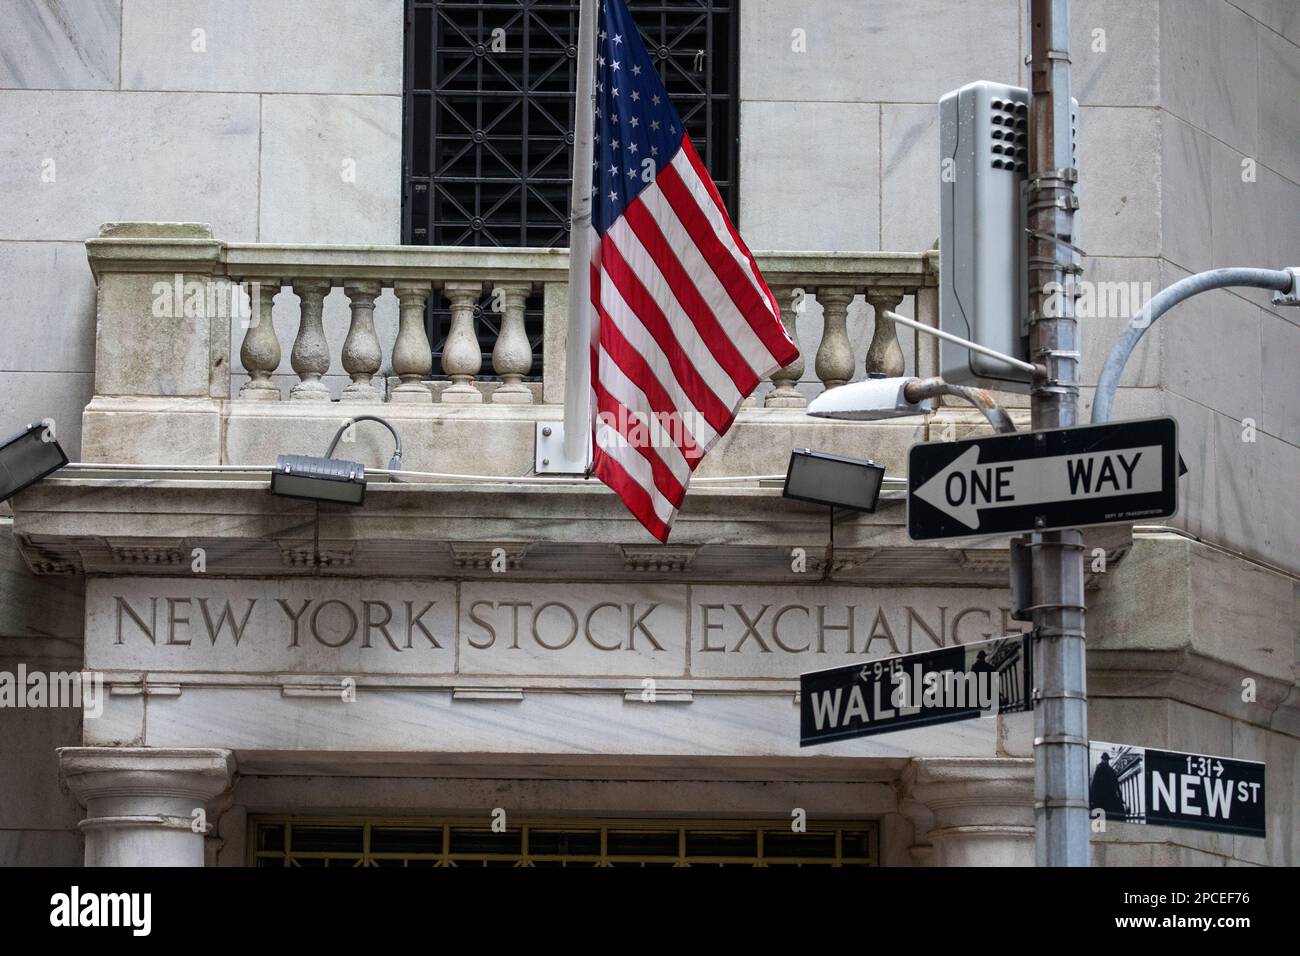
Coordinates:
[684,327]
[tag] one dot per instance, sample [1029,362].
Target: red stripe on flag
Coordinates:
[636,498]
[619,417]
[638,371]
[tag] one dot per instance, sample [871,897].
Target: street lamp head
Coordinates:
[870,400]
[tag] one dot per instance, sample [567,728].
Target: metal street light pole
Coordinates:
[1061,821]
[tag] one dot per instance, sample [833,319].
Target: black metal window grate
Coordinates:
[558,842]
[489,114]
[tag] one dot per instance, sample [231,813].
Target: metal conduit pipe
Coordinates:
[1275,279]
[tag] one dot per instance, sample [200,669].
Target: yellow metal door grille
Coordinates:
[352,841]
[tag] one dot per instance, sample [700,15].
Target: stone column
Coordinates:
[982,807]
[141,802]
[412,356]
[310,357]
[834,363]
[260,351]
[361,355]
[512,356]
[461,358]
[784,392]
[884,355]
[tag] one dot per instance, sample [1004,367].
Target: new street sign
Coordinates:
[915,690]
[1173,789]
[1038,481]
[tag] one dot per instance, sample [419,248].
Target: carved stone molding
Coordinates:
[985,560]
[143,551]
[841,561]
[44,560]
[657,559]
[296,555]
[482,557]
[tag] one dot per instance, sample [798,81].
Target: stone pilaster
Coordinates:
[982,810]
[145,806]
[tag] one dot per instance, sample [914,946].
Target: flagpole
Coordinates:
[577,374]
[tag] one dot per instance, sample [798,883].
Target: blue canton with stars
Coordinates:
[635,122]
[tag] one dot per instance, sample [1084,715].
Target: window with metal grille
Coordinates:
[351,842]
[489,115]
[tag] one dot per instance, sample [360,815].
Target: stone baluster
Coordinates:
[834,362]
[884,355]
[361,354]
[784,393]
[260,351]
[461,358]
[412,357]
[310,357]
[512,356]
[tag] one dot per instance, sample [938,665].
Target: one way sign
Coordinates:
[1037,481]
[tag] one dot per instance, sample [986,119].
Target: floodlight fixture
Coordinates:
[833,480]
[28,457]
[329,479]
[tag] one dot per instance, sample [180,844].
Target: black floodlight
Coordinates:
[319,479]
[330,479]
[832,480]
[28,457]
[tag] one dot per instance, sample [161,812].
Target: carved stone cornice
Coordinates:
[986,560]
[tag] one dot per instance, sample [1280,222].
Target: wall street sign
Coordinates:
[1173,789]
[1037,481]
[915,690]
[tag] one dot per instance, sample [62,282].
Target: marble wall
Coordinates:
[1188,161]
[274,121]
[244,114]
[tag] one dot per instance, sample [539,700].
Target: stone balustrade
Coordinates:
[248,278]
[190,370]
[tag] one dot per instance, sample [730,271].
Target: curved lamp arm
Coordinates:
[922,388]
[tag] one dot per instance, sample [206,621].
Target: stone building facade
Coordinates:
[382,684]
